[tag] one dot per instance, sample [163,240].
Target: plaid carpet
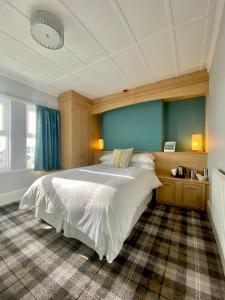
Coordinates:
[170,254]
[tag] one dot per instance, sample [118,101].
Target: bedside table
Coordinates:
[188,193]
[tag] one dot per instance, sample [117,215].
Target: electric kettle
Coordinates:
[181,172]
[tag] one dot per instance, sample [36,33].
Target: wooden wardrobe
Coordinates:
[79,130]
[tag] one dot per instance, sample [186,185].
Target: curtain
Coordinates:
[47,151]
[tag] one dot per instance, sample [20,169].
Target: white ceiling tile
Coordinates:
[190,45]
[131,63]
[22,72]
[2,3]
[102,28]
[158,53]
[85,82]
[82,44]
[71,82]
[17,27]
[17,51]
[102,21]
[97,86]
[187,10]
[63,58]
[146,17]
[110,72]
[77,39]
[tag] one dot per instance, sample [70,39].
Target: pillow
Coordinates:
[107,163]
[121,158]
[106,157]
[139,157]
[149,166]
[142,158]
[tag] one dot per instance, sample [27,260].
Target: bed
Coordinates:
[98,205]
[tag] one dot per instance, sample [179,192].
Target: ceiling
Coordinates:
[110,45]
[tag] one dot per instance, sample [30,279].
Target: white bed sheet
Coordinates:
[99,201]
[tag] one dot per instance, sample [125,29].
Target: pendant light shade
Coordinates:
[47,29]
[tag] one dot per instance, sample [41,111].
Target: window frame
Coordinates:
[6,131]
[29,108]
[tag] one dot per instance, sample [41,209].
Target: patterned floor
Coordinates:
[170,254]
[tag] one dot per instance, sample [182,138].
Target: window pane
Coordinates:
[31,122]
[3,152]
[1,116]
[30,152]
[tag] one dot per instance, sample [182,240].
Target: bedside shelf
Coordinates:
[186,179]
[183,192]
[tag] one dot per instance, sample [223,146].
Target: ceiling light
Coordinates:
[47,29]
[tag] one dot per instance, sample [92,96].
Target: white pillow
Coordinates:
[106,157]
[107,163]
[135,158]
[142,158]
[149,166]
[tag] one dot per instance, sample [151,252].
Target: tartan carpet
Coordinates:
[170,254]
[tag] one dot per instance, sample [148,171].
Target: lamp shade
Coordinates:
[100,144]
[197,142]
[47,29]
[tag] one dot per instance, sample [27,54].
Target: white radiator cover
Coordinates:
[217,210]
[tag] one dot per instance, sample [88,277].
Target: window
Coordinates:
[31,136]
[4,134]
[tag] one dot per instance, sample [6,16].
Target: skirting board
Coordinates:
[221,253]
[11,197]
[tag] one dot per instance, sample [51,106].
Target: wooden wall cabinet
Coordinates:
[183,192]
[79,130]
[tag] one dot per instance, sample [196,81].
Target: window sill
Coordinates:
[7,171]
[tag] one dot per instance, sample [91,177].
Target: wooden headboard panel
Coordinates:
[167,160]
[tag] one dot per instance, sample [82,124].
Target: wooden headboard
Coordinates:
[167,160]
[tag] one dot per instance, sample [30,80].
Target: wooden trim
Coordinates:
[186,86]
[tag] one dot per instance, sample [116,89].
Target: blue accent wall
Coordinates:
[139,126]
[182,119]
[146,126]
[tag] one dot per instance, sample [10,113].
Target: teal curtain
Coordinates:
[47,151]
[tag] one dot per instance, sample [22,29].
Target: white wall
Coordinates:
[216,104]
[216,132]
[15,89]
[13,184]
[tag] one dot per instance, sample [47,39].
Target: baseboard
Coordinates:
[11,197]
[221,253]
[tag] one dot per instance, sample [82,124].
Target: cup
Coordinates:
[173,172]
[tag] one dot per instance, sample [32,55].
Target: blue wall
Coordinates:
[182,119]
[139,126]
[146,126]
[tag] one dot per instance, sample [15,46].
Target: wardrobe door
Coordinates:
[80,136]
[66,133]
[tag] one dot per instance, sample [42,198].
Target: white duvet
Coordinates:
[98,200]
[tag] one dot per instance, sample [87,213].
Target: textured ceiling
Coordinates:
[110,45]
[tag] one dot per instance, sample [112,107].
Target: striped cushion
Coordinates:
[121,158]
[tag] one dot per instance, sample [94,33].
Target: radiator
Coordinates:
[217,209]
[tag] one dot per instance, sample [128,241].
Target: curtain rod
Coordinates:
[24,101]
